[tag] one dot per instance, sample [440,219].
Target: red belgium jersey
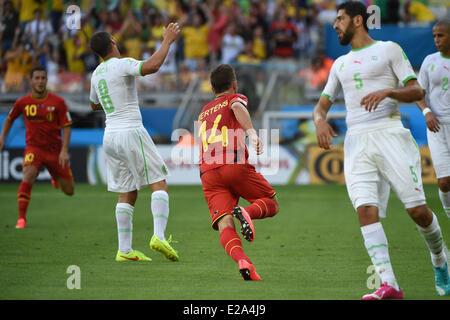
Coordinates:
[44,119]
[222,138]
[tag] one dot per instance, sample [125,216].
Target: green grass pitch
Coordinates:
[312,249]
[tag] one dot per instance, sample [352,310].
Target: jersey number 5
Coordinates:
[212,137]
[359,83]
[104,96]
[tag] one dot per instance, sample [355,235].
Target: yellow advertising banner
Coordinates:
[327,166]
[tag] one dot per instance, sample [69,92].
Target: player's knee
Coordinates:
[444,184]
[225,222]
[421,215]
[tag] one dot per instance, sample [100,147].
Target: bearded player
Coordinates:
[45,115]
[225,172]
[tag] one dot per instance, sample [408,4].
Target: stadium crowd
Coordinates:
[50,33]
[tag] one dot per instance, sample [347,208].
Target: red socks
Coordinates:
[262,208]
[23,198]
[232,244]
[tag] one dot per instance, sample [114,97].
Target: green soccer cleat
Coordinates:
[134,255]
[164,247]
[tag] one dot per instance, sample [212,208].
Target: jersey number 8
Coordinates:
[104,96]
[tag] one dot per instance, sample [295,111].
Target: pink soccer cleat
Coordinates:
[247,229]
[247,270]
[385,292]
[21,223]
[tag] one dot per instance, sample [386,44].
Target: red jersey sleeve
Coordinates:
[16,110]
[239,98]
[63,113]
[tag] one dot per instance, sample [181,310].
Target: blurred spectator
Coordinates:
[220,16]
[259,43]
[37,30]
[54,68]
[113,23]
[283,34]
[27,8]
[232,45]
[185,77]
[416,11]
[195,32]
[247,56]
[302,45]
[56,13]
[130,33]
[19,64]
[203,76]
[327,61]
[315,76]
[8,24]
[75,47]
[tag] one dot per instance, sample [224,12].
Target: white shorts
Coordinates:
[132,160]
[439,144]
[377,159]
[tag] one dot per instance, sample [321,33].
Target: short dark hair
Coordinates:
[355,8]
[222,78]
[37,68]
[101,43]
[444,23]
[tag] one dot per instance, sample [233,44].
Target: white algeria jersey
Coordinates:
[113,85]
[434,78]
[380,65]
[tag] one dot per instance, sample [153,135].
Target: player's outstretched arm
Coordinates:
[244,119]
[324,132]
[7,124]
[430,119]
[153,64]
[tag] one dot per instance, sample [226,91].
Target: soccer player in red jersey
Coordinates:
[225,172]
[45,114]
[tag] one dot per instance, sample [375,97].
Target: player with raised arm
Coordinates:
[132,160]
[225,172]
[45,114]
[434,78]
[378,151]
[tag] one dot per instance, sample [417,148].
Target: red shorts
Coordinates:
[224,186]
[38,157]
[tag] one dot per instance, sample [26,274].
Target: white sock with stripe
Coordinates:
[445,199]
[160,211]
[433,238]
[377,247]
[124,218]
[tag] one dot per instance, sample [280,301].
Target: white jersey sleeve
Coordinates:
[423,75]
[93,94]
[400,63]
[132,67]
[333,86]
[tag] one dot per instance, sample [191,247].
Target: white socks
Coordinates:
[124,218]
[377,248]
[433,238]
[445,199]
[160,211]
